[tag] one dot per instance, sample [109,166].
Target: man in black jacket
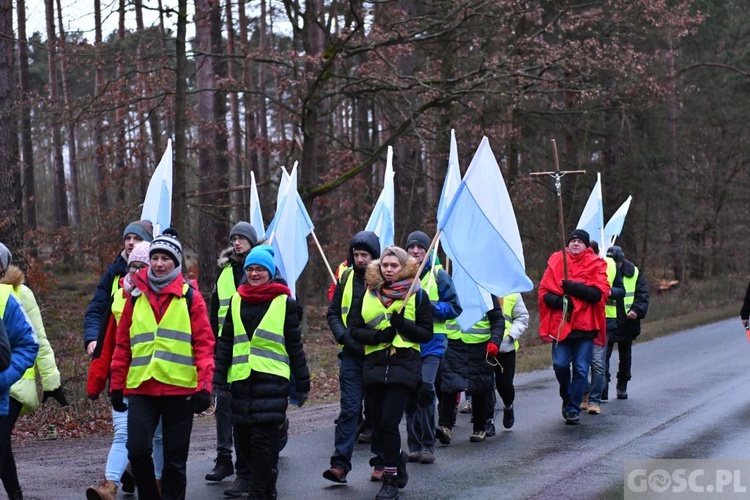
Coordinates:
[364,247]
[635,307]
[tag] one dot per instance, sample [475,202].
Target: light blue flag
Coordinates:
[381,220]
[157,206]
[592,217]
[481,234]
[291,226]
[452,178]
[614,227]
[256,216]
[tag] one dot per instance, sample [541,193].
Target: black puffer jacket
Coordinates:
[262,398]
[403,366]
[464,366]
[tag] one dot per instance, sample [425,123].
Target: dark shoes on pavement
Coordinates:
[336,474]
[508,417]
[127,481]
[489,429]
[389,489]
[239,487]
[443,434]
[622,390]
[222,469]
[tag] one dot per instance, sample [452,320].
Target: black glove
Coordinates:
[301,398]
[580,290]
[201,401]
[118,404]
[397,320]
[57,394]
[386,336]
[571,287]
[553,300]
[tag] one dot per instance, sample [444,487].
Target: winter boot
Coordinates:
[403,475]
[106,490]
[239,488]
[223,468]
[16,495]
[622,389]
[389,490]
[128,480]
[271,493]
[509,417]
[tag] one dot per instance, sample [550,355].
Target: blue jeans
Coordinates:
[352,391]
[598,364]
[420,410]
[117,460]
[578,353]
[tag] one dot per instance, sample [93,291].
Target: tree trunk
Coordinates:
[264,168]
[248,101]
[61,192]
[29,191]
[121,113]
[672,173]
[99,156]
[180,119]
[239,200]
[72,148]
[152,115]
[10,214]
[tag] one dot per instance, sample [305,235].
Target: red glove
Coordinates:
[492,349]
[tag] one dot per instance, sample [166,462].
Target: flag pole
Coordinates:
[419,271]
[320,249]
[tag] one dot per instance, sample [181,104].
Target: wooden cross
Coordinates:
[558,175]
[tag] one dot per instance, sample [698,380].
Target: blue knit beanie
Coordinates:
[140,228]
[262,255]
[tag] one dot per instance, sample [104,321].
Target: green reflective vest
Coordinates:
[377,316]
[266,351]
[610,308]
[429,284]
[509,302]
[164,350]
[347,293]
[224,290]
[629,284]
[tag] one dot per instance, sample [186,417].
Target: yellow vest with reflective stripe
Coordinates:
[438,326]
[509,302]
[610,308]
[377,316]
[118,299]
[164,350]
[224,290]
[629,285]
[266,351]
[347,293]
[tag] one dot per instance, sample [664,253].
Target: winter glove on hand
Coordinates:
[301,398]
[572,287]
[397,320]
[118,403]
[57,394]
[553,300]
[201,401]
[386,336]
[492,349]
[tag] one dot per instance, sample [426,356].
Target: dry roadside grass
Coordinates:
[63,308]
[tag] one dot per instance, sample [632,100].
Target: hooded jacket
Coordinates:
[341,333]
[201,336]
[401,366]
[262,398]
[25,389]
[99,310]
[629,329]
[23,348]
[589,272]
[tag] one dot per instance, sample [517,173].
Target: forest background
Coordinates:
[650,93]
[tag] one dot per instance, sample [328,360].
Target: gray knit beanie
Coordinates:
[5,257]
[246,230]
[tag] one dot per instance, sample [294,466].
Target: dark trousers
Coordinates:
[480,404]
[388,406]
[504,374]
[225,432]
[624,349]
[259,444]
[352,392]
[176,413]
[8,470]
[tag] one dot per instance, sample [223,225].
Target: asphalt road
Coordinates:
[689,398]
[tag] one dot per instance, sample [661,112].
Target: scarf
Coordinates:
[157,284]
[390,291]
[261,294]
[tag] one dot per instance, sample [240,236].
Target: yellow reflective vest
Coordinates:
[509,302]
[610,308]
[164,350]
[377,316]
[266,351]
[225,289]
[629,285]
[430,285]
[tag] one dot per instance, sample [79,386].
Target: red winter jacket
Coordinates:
[99,367]
[592,271]
[202,338]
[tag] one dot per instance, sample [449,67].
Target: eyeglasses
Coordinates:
[255,270]
[135,268]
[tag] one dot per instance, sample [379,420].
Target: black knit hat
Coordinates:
[169,244]
[417,238]
[581,235]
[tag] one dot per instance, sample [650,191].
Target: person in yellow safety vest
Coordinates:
[164,363]
[420,411]
[392,327]
[632,309]
[259,348]
[466,367]
[116,470]
[516,317]
[364,247]
[242,238]
[97,314]
[595,386]
[19,379]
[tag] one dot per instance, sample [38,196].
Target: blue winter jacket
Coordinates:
[97,314]
[23,347]
[448,307]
